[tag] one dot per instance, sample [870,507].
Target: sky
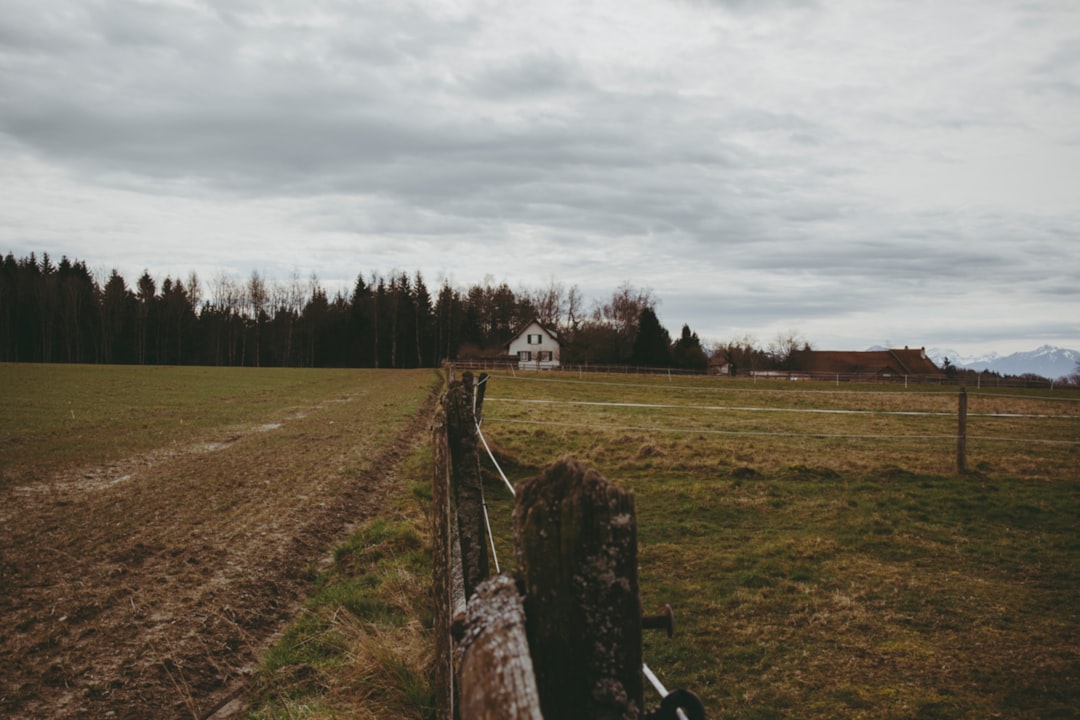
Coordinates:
[856,172]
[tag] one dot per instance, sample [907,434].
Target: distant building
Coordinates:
[883,364]
[535,347]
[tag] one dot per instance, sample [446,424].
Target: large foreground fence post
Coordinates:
[575,537]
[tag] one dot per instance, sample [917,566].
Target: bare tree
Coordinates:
[625,307]
[784,344]
[257,297]
[575,308]
[550,303]
[226,297]
[621,314]
[287,302]
[194,291]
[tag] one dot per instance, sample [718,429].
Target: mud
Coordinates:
[147,588]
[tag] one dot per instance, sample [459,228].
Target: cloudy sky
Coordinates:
[903,173]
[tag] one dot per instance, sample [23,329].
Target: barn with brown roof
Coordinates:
[881,364]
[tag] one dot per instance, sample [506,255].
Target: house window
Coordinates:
[524,355]
[544,355]
[533,339]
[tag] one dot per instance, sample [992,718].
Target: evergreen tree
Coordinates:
[687,353]
[652,344]
[425,349]
[9,309]
[361,324]
[118,311]
[145,319]
[449,321]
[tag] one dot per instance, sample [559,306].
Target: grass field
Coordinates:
[53,416]
[823,557]
[831,564]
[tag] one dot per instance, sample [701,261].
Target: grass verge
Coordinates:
[362,645]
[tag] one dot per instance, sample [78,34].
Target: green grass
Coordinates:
[53,416]
[817,577]
[362,647]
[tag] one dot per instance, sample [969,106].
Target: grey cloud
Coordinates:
[534,74]
[757,6]
[384,124]
[1058,71]
[619,170]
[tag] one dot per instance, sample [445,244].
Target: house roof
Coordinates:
[876,362]
[526,325]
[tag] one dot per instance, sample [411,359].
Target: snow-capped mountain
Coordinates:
[1048,361]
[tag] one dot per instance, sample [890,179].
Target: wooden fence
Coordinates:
[561,638]
[964,378]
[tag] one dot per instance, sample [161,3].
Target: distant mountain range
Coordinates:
[1047,361]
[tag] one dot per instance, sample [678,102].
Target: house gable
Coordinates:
[535,346]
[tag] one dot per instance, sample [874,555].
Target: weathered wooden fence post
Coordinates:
[481,388]
[441,571]
[961,433]
[466,481]
[575,540]
[495,672]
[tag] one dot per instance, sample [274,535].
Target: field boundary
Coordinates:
[978,380]
[500,647]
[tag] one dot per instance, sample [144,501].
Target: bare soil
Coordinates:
[148,587]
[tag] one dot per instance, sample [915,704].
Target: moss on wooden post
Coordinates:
[576,547]
[496,672]
[441,567]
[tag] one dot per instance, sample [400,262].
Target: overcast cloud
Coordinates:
[861,172]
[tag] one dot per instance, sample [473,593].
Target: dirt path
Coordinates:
[146,588]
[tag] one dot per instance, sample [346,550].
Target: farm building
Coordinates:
[535,347]
[881,364]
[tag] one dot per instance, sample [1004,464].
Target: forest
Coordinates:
[60,312]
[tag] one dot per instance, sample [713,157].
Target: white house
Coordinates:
[535,347]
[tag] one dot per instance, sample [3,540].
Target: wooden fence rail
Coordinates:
[561,638]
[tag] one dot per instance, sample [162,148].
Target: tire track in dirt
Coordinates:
[148,587]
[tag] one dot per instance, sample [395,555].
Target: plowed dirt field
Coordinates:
[145,585]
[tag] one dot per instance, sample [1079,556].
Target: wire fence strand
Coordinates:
[495,462]
[738,408]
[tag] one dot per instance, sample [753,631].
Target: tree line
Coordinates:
[60,312]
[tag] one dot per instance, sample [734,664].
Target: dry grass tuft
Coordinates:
[363,647]
[385,673]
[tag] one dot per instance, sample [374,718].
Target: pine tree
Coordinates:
[653,342]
